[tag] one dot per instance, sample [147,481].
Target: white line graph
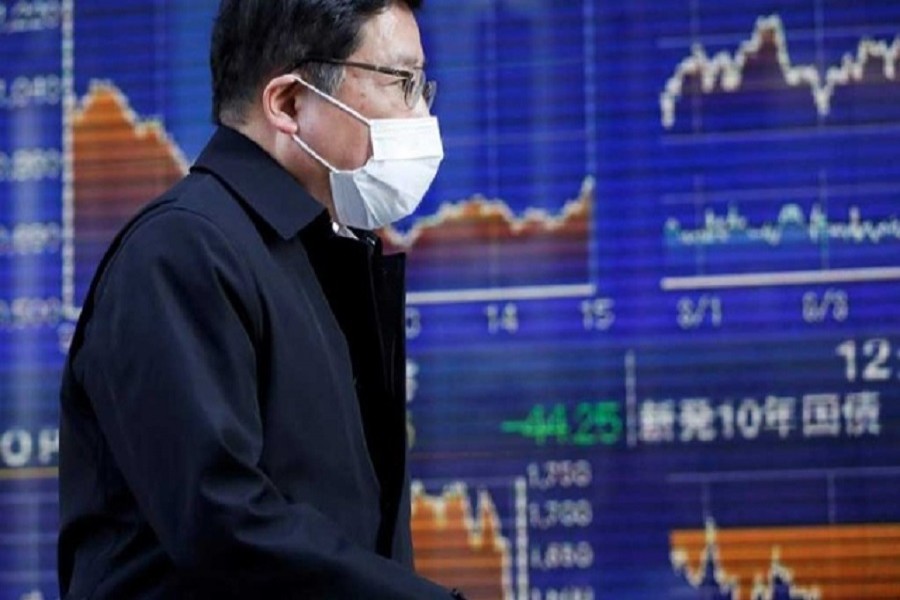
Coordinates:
[724,72]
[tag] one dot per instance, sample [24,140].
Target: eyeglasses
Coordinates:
[414,84]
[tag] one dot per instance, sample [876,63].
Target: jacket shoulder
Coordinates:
[197,213]
[191,230]
[202,195]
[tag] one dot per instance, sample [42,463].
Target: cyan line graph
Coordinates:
[792,225]
[754,222]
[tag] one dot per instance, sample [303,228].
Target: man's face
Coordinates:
[389,39]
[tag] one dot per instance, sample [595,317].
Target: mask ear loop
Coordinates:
[313,153]
[331,99]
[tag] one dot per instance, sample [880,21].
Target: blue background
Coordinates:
[536,96]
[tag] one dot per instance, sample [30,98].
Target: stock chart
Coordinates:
[652,346]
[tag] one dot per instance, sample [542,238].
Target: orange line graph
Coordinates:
[457,548]
[120,162]
[725,72]
[114,145]
[483,244]
[827,562]
[479,219]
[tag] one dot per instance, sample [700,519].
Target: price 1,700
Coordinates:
[575,513]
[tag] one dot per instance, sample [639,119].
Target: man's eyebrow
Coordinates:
[412,61]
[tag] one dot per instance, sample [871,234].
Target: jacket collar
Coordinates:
[264,185]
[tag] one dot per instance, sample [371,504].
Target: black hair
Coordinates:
[254,40]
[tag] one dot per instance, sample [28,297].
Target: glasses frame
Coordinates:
[414,86]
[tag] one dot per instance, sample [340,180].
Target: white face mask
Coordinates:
[406,154]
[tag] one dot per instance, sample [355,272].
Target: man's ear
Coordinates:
[280,103]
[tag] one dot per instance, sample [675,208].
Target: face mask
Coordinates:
[406,154]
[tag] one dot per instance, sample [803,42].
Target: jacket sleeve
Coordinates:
[169,364]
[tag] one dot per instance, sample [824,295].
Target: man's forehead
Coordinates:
[392,37]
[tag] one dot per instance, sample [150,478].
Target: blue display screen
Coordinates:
[652,342]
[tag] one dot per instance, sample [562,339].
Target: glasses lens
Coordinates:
[412,88]
[429,91]
[418,87]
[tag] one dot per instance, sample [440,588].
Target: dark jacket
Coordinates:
[233,405]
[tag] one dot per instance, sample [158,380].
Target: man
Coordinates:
[233,411]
